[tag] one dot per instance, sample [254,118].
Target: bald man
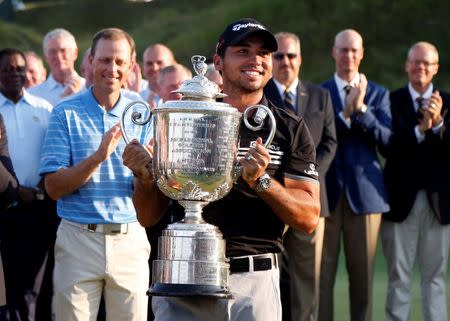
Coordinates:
[417,227]
[355,187]
[155,58]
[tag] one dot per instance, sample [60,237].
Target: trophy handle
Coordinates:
[259,117]
[261,114]
[135,118]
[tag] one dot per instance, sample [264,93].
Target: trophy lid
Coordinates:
[199,87]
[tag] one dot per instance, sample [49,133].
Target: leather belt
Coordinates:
[107,229]
[251,263]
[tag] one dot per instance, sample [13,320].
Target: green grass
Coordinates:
[341,298]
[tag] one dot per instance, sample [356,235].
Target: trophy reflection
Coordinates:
[196,143]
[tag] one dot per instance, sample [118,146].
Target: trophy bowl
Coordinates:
[195,162]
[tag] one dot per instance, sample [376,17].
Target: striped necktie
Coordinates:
[288,101]
[419,101]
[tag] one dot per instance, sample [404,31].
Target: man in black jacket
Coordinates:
[313,103]
[416,176]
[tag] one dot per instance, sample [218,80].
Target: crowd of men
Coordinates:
[80,207]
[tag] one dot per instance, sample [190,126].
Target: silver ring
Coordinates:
[249,157]
[433,105]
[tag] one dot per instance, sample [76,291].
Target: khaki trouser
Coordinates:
[88,264]
[359,234]
[304,255]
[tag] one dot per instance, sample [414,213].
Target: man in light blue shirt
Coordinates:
[100,248]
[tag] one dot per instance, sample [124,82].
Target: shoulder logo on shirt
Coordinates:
[312,170]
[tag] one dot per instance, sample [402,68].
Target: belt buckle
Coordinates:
[112,229]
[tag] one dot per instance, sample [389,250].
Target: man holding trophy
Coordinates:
[278,186]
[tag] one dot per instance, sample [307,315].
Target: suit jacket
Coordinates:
[413,166]
[356,169]
[314,105]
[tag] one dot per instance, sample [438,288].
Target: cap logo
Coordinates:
[240,26]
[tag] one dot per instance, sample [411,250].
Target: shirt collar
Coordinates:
[414,94]
[93,107]
[282,88]
[341,83]
[52,83]
[27,97]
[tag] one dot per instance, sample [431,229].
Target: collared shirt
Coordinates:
[75,132]
[26,124]
[292,88]
[147,92]
[340,83]
[426,95]
[51,90]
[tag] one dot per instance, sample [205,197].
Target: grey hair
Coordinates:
[59,33]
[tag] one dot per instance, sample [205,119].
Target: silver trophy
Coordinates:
[195,162]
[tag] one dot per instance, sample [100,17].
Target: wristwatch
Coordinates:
[263,183]
[39,194]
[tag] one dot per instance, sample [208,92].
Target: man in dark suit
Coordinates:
[304,251]
[355,186]
[417,165]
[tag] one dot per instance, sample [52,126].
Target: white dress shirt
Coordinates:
[426,95]
[51,90]
[26,124]
[340,83]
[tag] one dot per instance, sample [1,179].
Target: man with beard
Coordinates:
[272,192]
[31,225]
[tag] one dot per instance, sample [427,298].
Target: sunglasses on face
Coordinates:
[281,55]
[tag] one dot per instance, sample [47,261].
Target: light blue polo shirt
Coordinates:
[75,131]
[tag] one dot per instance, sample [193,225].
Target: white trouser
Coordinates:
[421,236]
[256,297]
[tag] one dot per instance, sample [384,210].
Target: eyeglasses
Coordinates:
[426,64]
[281,55]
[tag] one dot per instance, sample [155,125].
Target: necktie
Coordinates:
[288,101]
[347,89]
[420,101]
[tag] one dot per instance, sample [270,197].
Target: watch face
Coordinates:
[264,183]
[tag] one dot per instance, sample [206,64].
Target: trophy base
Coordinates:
[189,290]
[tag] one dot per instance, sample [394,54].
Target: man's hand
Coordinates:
[72,86]
[138,159]
[359,92]
[109,143]
[255,162]
[435,108]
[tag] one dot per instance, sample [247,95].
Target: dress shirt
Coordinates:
[340,83]
[26,124]
[51,90]
[292,90]
[146,93]
[426,95]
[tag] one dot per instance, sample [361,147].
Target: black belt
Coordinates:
[261,262]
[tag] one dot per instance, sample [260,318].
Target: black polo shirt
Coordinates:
[248,224]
